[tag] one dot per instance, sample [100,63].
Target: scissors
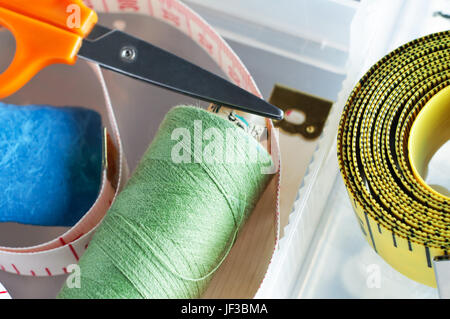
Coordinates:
[43,37]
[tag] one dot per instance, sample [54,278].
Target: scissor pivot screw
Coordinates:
[128,54]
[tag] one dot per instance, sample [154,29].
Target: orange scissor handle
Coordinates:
[43,36]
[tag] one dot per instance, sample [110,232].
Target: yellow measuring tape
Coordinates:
[397,116]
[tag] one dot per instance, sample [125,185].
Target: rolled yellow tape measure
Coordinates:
[397,116]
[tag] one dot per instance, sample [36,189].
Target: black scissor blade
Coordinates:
[120,52]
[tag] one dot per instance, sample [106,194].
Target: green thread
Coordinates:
[174,223]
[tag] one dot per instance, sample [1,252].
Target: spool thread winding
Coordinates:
[174,223]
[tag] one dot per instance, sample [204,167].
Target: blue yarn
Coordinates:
[50,163]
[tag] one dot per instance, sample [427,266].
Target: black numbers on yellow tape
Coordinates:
[403,220]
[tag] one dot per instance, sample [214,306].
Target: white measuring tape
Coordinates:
[52,258]
[4,293]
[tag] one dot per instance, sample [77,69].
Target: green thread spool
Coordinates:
[174,223]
